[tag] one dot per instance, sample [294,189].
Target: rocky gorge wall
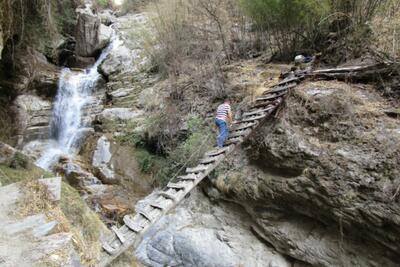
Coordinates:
[316,186]
[321,180]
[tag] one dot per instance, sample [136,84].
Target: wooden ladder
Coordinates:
[135,225]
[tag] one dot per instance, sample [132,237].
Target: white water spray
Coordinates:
[66,126]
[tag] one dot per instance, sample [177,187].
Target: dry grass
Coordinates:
[386,29]
[71,213]
[335,110]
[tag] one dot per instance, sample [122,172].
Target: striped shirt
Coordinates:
[222,111]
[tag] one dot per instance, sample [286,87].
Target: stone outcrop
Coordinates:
[32,118]
[201,233]
[76,175]
[321,181]
[31,72]
[91,35]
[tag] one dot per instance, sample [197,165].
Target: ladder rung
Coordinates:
[243,126]
[283,88]
[217,152]
[131,224]
[239,133]
[157,205]
[266,98]
[234,140]
[168,196]
[254,118]
[146,215]
[285,81]
[197,169]
[257,111]
[176,185]
[110,250]
[209,160]
[118,234]
[191,176]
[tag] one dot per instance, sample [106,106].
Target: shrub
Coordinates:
[103,3]
[338,28]
[20,161]
[192,35]
[38,22]
[288,22]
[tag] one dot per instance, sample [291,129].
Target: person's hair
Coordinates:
[227,99]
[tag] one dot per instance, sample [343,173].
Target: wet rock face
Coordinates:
[91,35]
[321,180]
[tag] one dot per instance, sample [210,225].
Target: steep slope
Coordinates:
[321,180]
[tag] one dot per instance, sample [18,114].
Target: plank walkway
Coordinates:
[135,225]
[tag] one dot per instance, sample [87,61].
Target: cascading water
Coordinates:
[66,126]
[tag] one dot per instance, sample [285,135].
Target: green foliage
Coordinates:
[285,14]
[20,161]
[145,160]
[36,22]
[103,3]
[288,21]
[191,148]
[10,175]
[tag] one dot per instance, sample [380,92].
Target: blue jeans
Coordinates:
[223,132]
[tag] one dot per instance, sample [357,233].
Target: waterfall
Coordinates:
[66,126]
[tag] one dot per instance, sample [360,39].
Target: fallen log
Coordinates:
[365,73]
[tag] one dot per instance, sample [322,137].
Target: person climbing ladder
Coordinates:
[222,118]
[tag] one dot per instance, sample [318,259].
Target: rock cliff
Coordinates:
[321,180]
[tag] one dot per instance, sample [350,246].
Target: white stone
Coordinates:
[44,229]
[102,154]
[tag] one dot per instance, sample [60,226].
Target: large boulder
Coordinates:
[101,161]
[91,35]
[118,61]
[199,233]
